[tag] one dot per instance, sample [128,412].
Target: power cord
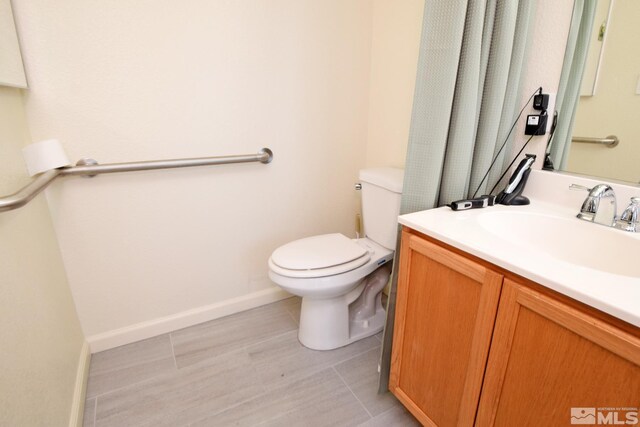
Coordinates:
[517,155]
[539,91]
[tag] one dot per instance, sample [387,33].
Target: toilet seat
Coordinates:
[318,256]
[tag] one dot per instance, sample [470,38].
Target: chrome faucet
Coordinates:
[630,218]
[599,206]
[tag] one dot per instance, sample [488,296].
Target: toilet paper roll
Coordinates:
[44,155]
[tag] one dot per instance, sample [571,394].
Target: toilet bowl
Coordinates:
[325,318]
[340,279]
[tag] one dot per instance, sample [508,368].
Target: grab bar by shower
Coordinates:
[91,168]
[610,141]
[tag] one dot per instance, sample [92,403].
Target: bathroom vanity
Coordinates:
[492,330]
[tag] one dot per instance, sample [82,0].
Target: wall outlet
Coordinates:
[550,109]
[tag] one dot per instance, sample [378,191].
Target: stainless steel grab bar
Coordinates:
[610,141]
[28,192]
[89,167]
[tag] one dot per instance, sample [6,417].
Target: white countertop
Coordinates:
[611,292]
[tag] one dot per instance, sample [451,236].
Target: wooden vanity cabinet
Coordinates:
[477,345]
[445,311]
[547,357]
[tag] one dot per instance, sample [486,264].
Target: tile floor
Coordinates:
[247,369]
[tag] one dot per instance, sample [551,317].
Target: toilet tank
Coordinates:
[381,192]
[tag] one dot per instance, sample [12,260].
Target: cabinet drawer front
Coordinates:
[547,358]
[445,313]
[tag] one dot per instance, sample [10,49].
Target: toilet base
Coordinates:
[365,328]
[329,323]
[335,330]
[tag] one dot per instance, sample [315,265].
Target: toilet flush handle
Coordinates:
[358,186]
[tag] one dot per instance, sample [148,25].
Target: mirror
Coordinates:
[11,68]
[609,101]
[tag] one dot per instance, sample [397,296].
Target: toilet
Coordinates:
[340,279]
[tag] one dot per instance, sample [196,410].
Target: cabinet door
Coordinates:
[547,358]
[445,312]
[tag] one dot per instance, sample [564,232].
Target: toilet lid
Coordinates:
[320,252]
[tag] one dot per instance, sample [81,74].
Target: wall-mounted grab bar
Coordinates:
[610,141]
[89,167]
[28,192]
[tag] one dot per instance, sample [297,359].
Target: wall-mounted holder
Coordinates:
[87,162]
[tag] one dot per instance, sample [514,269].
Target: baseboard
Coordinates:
[162,325]
[82,375]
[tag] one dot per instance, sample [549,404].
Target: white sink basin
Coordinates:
[545,243]
[572,240]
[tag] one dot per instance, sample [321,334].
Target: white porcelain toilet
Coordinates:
[339,279]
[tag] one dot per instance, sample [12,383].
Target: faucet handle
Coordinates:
[630,218]
[579,187]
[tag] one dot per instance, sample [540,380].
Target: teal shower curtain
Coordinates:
[466,98]
[575,58]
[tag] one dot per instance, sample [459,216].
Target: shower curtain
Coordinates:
[575,58]
[467,90]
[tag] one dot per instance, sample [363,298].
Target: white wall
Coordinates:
[395,42]
[40,336]
[124,81]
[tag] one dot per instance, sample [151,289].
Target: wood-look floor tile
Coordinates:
[292,305]
[361,375]
[122,366]
[211,339]
[397,416]
[321,399]
[89,412]
[244,369]
[184,396]
[284,359]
